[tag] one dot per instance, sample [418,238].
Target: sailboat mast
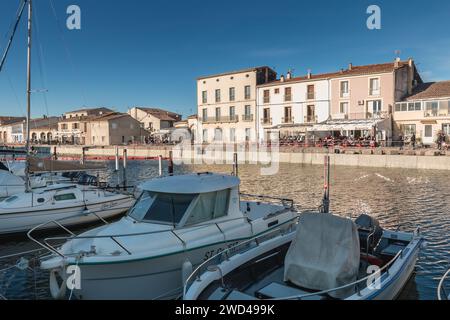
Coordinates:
[27,173]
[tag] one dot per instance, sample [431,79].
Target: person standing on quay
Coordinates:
[401,141]
[413,141]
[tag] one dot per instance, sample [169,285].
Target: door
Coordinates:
[428,134]
[310,114]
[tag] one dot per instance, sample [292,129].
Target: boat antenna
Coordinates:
[325,207]
[27,171]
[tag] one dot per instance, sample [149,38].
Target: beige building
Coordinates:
[113,129]
[42,130]
[10,125]
[72,128]
[154,119]
[227,108]
[425,113]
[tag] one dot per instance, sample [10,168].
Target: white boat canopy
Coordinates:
[191,183]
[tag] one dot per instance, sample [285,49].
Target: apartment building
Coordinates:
[288,106]
[15,130]
[73,127]
[425,112]
[363,98]
[113,129]
[227,105]
[154,119]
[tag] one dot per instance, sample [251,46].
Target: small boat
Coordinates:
[70,204]
[327,257]
[176,224]
[442,293]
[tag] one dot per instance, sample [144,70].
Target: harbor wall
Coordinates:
[426,161]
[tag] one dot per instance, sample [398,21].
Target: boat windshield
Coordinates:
[161,207]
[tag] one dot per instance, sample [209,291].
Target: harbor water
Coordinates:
[399,199]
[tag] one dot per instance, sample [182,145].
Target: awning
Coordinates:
[37,165]
[347,125]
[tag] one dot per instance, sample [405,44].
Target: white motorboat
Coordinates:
[176,224]
[442,293]
[327,257]
[67,204]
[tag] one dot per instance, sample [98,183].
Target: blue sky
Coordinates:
[139,52]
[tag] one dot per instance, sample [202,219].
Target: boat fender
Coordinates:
[57,291]
[186,271]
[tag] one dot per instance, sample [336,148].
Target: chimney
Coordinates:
[289,75]
[282,78]
[350,66]
[309,74]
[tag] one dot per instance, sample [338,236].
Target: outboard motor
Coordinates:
[369,231]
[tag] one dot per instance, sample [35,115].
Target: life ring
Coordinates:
[58,291]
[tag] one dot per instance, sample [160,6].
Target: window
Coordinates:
[446,129]
[232,94]
[103,138]
[409,129]
[288,94]
[248,132]
[344,89]
[432,108]
[376,106]
[277,91]
[75,126]
[418,106]
[287,115]
[205,115]
[217,95]
[374,86]
[428,131]
[248,111]
[311,93]
[113,125]
[205,135]
[217,114]
[266,114]
[93,139]
[232,113]
[218,134]
[11,199]
[209,206]
[161,207]
[204,97]
[247,92]
[64,197]
[233,134]
[310,113]
[411,106]
[266,96]
[343,108]
[443,108]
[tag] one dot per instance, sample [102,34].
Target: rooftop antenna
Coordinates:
[397,54]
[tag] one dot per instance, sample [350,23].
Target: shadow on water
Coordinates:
[398,198]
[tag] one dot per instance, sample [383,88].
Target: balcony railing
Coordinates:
[375,92]
[266,121]
[344,94]
[360,115]
[287,120]
[311,119]
[247,117]
[224,119]
[436,113]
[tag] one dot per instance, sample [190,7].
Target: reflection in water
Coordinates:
[403,199]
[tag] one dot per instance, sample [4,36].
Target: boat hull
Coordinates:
[147,279]
[23,221]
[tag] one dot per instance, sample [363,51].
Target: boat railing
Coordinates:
[46,243]
[239,248]
[226,254]
[287,203]
[441,291]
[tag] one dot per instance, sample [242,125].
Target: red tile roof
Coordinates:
[161,114]
[430,90]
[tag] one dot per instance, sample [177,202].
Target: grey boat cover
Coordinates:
[324,254]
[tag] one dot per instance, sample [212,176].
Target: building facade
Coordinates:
[73,127]
[227,107]
[287,107]
[425,113]
[113,129]
[154,119]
